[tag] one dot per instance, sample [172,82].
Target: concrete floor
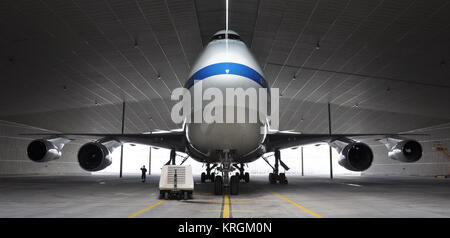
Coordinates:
[108,196]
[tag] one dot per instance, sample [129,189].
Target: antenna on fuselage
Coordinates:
[226,19]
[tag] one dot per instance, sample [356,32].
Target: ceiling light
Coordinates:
[293,78]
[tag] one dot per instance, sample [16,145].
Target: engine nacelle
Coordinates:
[403,150]
[354,156]
[95,156]
[43,150]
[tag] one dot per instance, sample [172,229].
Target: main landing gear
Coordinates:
[275,176]
[208,175]
[241,174]
[171,161]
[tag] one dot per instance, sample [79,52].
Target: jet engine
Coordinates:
[97,155]
[403,150]
[354,156]
[43,150]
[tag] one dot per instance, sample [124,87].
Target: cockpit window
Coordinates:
[222,36]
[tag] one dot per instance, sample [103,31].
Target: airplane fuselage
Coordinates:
[226,63]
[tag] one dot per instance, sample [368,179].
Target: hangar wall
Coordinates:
[432,163]
[14,159]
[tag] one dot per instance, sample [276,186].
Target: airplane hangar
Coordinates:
[341,67]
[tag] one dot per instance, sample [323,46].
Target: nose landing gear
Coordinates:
[218,185]
[225,183]
[234,185]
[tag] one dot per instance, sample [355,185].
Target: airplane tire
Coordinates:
[218,185]
[234,185]
[283,179]
[272,178]
[247,177]
[166,196]
[185,195]
[213,175]
[203,177]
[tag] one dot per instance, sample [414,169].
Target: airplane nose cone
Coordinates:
[240,137]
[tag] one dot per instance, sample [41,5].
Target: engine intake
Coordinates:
[95,156]
[406,151]
[354,156]
[43,150]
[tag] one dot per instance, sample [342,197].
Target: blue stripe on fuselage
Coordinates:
[222,68]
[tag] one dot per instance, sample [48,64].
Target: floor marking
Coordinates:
[226,206]
[354,185]
[351,184]
[249,211]
[242,199]
[204,201]
[146,209]
[297,205]
[255,202]
[234,210]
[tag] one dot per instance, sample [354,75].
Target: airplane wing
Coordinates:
[284,140]
[167,140]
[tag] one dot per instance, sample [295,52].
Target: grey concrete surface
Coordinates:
[109,196]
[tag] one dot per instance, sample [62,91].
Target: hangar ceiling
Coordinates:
[384,65]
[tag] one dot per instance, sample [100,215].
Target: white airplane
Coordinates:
[226,62]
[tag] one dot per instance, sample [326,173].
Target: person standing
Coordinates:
[144,172]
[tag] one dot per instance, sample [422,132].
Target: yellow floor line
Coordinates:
[233,210]
[297,205]
[226,207]
[246,210]
[146,209]
[272,211]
